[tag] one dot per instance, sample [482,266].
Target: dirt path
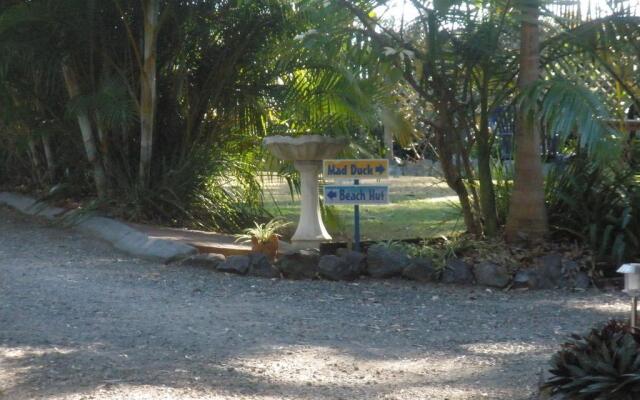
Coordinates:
[80,321]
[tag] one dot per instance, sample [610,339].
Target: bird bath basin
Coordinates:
[307,153]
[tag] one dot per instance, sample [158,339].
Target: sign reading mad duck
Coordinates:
[356,169]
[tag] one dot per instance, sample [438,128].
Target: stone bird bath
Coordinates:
[307,153]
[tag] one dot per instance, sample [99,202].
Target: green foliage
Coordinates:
[113,104]
[437,255]
[215,75]
[603,47]
[263,232]
[337,84]
[230,72]
[503,183]
[208,192]
[569,107]
[602,365]
[600,205]
[445,249]
[397,245]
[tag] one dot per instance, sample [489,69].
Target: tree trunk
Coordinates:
[50,159]
[527,215]
[388,144]
[35,160]
[103,148]
[487,195]
[452,175]
[73,88]
[148,89]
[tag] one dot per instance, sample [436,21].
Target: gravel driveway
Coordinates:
[78,320]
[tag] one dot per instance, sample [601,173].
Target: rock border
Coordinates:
[122,236]
[383,262]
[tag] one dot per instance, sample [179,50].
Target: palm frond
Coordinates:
[568,108]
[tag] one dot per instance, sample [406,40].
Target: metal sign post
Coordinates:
[356,222]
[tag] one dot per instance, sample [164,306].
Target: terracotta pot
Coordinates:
[268,248]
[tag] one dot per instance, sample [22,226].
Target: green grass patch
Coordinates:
[420,208]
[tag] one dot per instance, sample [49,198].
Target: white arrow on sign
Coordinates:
[356,194]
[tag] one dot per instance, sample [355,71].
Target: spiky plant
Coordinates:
[262,232]
[603,365]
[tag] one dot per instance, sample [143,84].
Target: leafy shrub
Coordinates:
[603,365]
[210,191]
[262,232]
[503,182]
[598,204]
[438,251]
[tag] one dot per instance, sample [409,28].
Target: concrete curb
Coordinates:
[120,235]
[30,206]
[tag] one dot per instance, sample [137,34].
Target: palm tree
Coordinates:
[575,96]
[86,129]
[527,215]
[150,9]
[59,38]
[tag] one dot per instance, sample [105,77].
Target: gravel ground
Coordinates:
[79,320]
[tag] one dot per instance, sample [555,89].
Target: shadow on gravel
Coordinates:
[266,344]
[56,374]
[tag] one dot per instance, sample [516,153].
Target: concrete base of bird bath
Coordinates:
[311,231]
[307,153]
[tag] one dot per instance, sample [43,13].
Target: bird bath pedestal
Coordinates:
[307,153]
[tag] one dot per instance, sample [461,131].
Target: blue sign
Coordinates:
[356,194]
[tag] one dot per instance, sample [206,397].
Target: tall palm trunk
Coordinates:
[99,176]
[35,159]
[527,215]
[148,89]
[48,155]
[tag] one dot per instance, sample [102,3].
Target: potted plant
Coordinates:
[263,237]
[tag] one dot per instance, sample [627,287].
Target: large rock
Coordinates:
[205,260]
[301,264]
[385,262]
[535,278]
[338,268]
[490,274]
[235,265]
[532,279]
[457,271]
[354,258]
[574,277]
[581,281]
[570,268]
[259,265]
[550,269]
[421,270]
[547,273]
[523,279]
